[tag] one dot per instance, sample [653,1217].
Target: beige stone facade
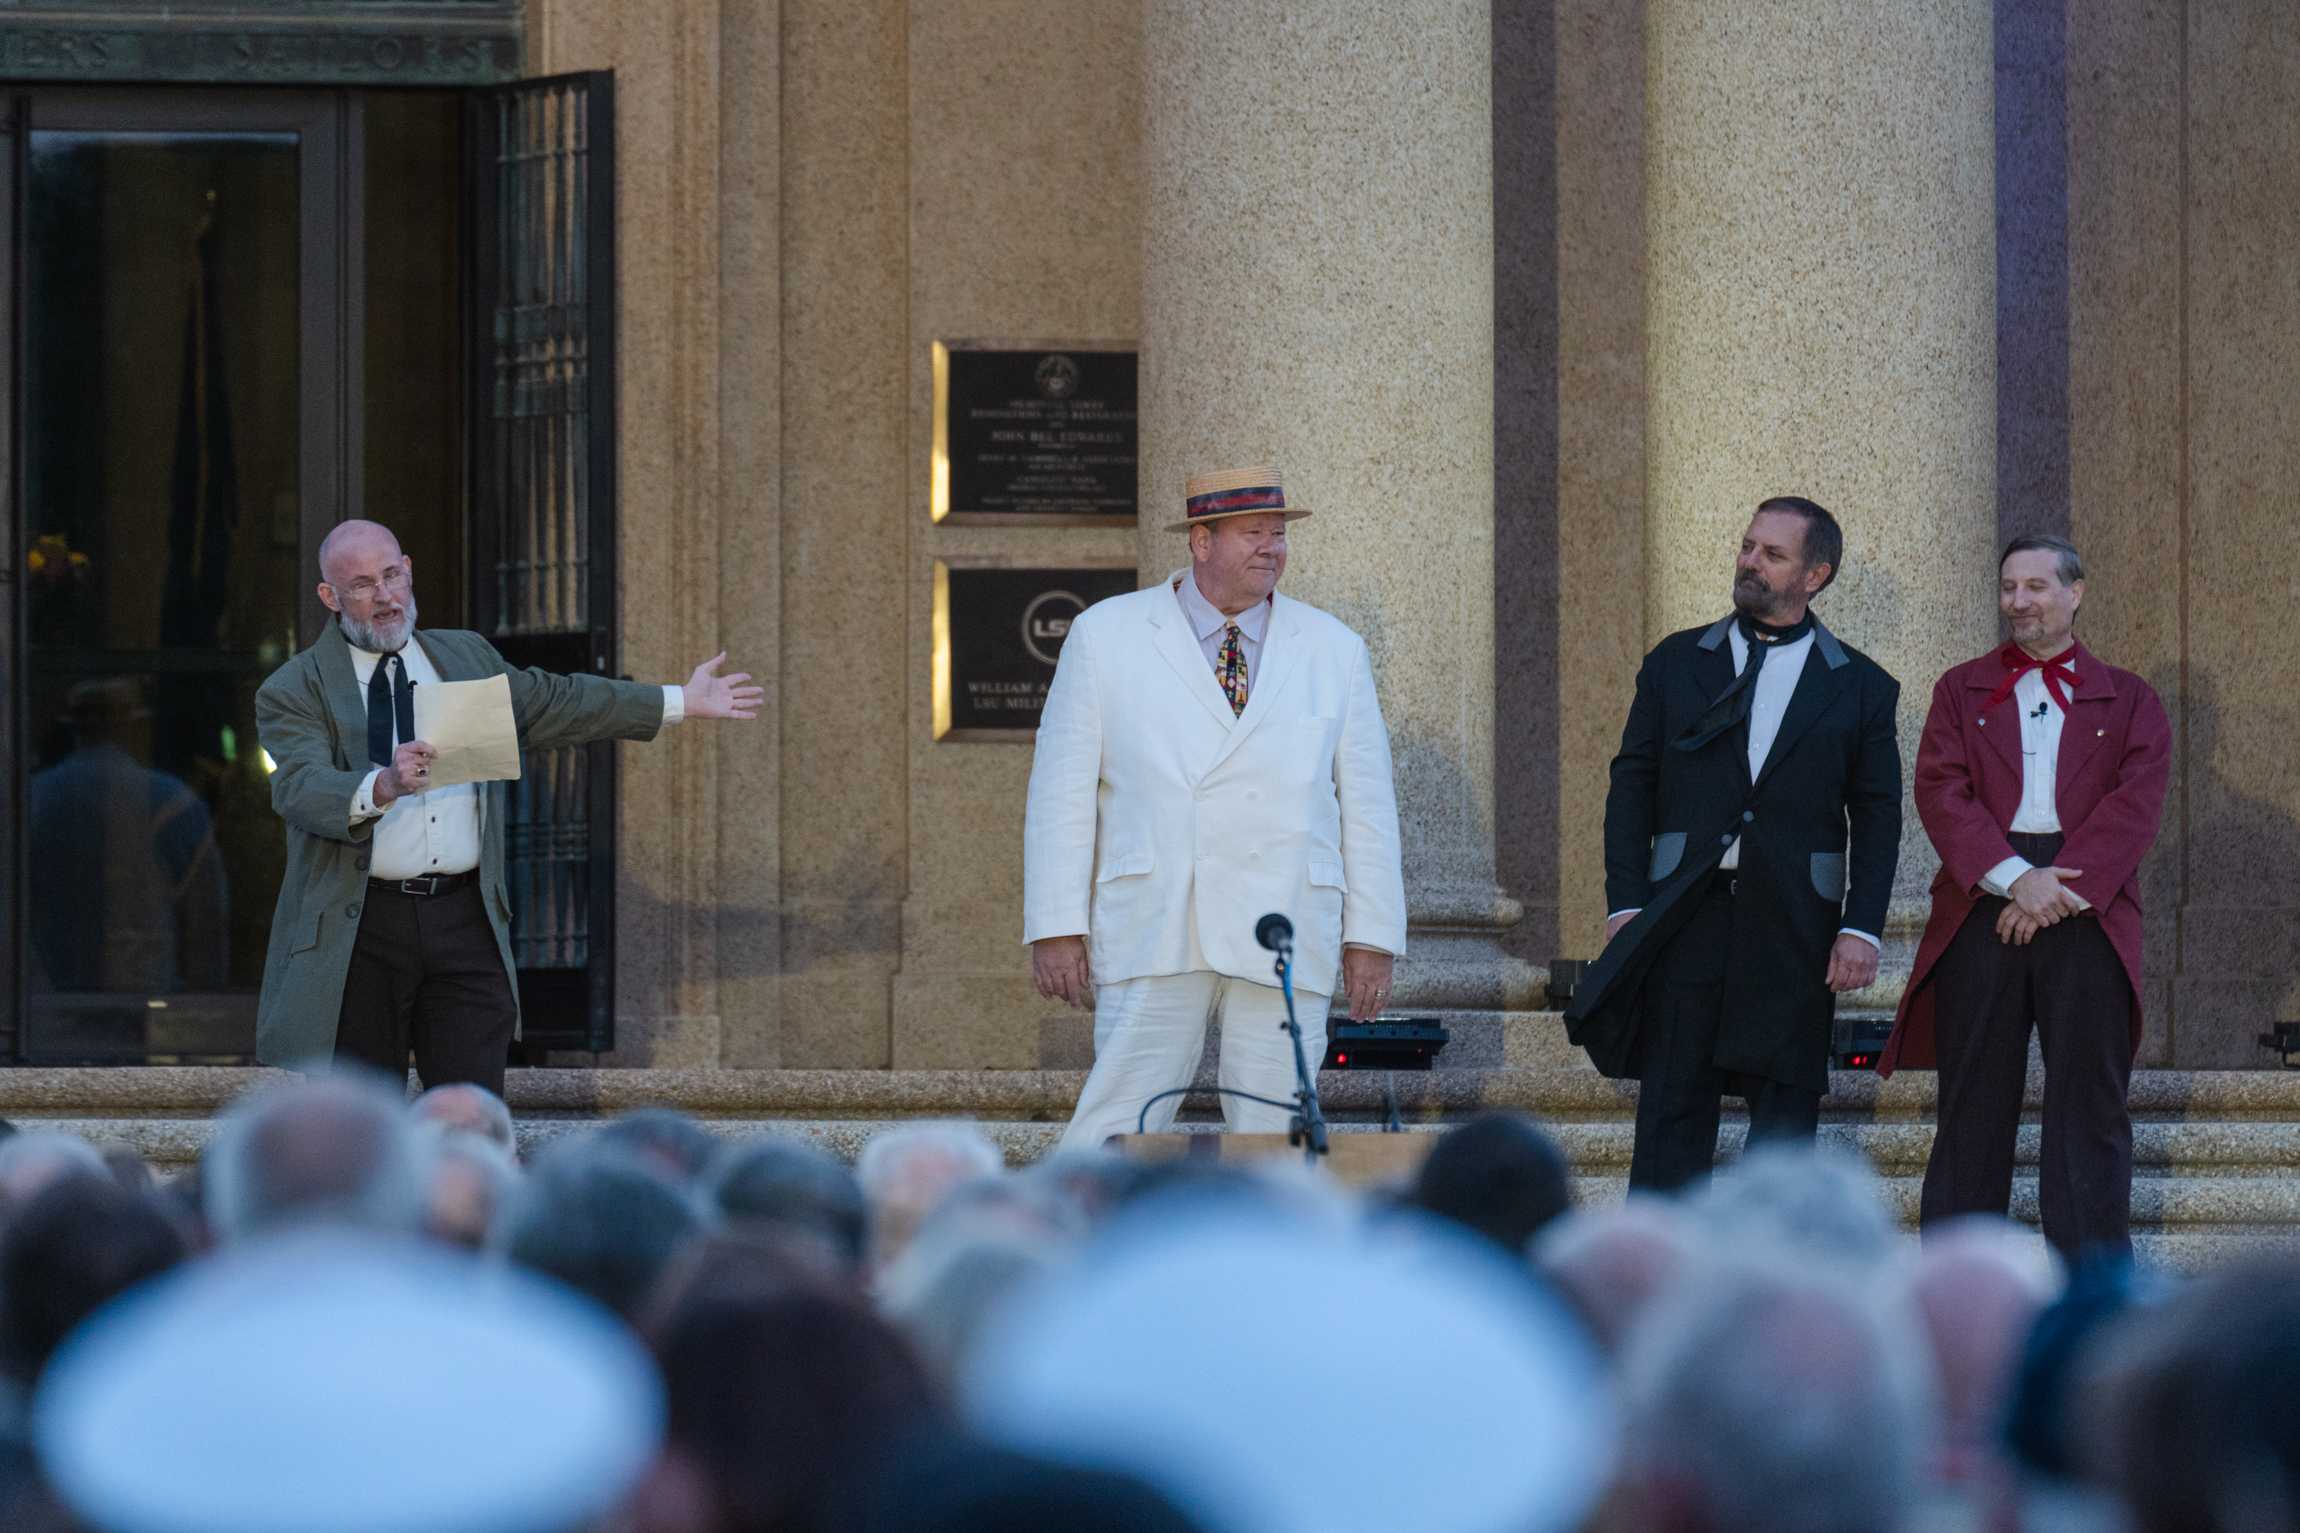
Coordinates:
[1546,294]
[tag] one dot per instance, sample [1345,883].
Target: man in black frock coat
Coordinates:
[1751,832]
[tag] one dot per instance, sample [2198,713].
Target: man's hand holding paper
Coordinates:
[472,733]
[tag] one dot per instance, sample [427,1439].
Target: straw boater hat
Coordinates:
[1235,492]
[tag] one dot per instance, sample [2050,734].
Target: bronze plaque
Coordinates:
[997,635]
[1034,434]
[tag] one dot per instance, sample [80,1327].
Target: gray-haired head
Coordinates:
[1772,1396]
[789,1185]
[906,1172]
[31,1160]
[597,1218]
[2067,562]
[469,1109]
[335,1150]
[1821,1201]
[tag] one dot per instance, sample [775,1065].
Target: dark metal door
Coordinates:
[543,511]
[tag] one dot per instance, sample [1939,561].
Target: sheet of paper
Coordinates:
[471,725]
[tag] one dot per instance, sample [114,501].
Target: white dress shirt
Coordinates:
[2039,813]
[436,830]
[1776,684]
[1207,621]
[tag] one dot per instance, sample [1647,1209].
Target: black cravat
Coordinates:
[390,698]
[1731,709]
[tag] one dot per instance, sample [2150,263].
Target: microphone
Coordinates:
[1275,932]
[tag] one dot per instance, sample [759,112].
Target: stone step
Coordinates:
[2159,1201]
[1563,1095]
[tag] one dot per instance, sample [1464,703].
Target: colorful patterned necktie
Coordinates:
[1230,666]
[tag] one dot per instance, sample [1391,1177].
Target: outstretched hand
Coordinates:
[712,696]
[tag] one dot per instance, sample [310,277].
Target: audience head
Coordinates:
[1611,1263]
[906,1172]
[80,1242]
[670,1143]
[2054,1357]
[1975,1289]
[338,1379]
[1771,1397]
[468,1183]
[337,1149]
[2193,1425]
[1191,1343]
[598,1219]
[465,1108]
[781,1402]
[988,1239]
[1498,1174]
[33,1159]
[1817,1203]
[789,1185]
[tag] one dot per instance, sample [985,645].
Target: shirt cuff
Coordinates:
[1999,879]
[1368,947]
[363,801]
[674,703]
[1847,931]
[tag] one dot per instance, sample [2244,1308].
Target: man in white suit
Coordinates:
[1210,752]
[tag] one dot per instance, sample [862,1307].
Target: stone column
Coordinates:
[1820,308]
[1318,292]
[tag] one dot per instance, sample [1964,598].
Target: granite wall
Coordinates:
[813,192]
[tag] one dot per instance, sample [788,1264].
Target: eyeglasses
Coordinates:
[363,590]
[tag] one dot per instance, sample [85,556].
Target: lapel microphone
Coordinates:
[2039,713]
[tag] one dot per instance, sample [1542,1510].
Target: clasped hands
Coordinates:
[2039,898]
[1059,970]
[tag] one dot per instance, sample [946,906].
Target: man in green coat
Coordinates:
[393,930]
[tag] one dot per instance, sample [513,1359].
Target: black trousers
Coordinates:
[2070,985]
[1679,1093]
[426,974]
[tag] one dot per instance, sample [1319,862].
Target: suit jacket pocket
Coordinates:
[308,938]
[1829,876]
[1668,851]
[1327,874]
[1130,863]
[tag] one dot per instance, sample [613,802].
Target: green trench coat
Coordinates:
[313,721]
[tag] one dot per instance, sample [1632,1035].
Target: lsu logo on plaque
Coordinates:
[1046,623]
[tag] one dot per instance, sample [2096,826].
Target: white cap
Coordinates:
[349,1382]
[1283,1376]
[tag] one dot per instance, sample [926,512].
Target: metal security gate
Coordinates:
[543,511]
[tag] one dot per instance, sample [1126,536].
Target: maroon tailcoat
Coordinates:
[2115,759]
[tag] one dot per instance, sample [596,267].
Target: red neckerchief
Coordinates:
[2018,662]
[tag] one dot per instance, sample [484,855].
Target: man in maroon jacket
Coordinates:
[2040,779]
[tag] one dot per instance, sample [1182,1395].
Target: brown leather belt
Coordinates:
[429,884]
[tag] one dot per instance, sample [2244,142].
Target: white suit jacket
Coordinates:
[1163,828]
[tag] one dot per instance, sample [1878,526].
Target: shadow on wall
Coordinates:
[2237,931]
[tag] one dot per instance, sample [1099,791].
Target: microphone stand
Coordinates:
[1308,1127]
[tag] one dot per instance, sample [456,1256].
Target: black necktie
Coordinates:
[390,699]
[1730,710]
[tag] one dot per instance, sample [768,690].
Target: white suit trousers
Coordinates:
[1150,1033]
